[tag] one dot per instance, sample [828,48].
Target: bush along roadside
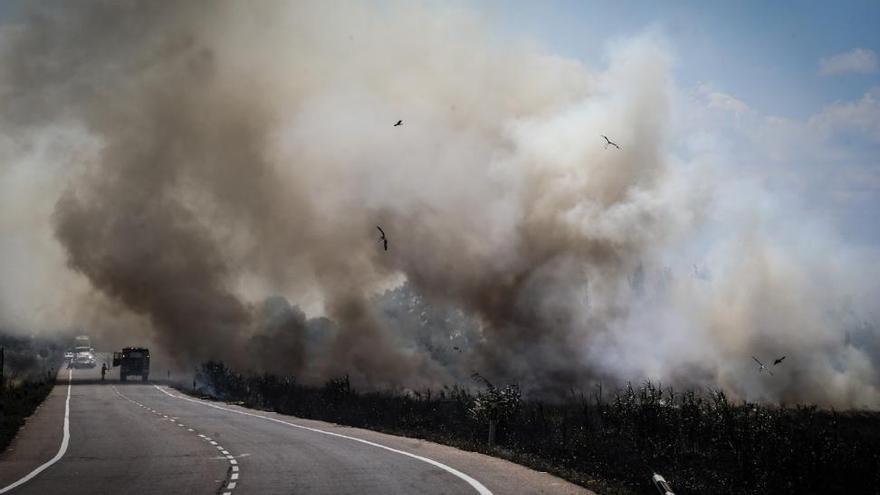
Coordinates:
[700,442]
[18,400]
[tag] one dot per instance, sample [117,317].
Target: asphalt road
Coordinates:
[141,438]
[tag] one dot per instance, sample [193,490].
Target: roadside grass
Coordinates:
[18,400]
[28,375]
[699,441]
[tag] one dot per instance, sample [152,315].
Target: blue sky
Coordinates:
[811,137]
[764,53]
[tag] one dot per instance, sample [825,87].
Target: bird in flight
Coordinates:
[610,142]
[399,122]
[762,367]
[383,238]
[778,361]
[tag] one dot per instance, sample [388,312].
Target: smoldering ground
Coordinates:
[225,164]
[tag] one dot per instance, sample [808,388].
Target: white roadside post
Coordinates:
[662,485]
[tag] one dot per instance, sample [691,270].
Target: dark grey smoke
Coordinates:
[223,153]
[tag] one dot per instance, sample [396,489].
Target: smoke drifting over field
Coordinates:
[201,171]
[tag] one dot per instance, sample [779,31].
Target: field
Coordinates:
[700,442]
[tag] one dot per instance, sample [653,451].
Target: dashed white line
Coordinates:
[233,463]
[476,485]
[65,440]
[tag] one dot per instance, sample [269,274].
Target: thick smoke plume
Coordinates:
[206,169]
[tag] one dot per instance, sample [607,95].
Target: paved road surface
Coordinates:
[144,439]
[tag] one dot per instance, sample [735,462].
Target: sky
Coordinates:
[807,65]
[766,54]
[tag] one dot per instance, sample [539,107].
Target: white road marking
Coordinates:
[230,486]
[476,485]
[65,440]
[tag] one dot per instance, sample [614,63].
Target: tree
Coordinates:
[494,405]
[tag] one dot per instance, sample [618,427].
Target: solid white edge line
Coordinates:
[61,450]
[476,485]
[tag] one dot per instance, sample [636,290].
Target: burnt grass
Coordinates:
[700,442]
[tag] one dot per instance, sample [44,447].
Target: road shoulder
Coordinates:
[38,439]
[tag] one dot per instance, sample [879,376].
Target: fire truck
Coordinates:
[132,361]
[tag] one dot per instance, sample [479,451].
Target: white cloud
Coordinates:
[858,60]
[721,101]
[727,102]
[862,116]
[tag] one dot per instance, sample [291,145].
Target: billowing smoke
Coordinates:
[209,176]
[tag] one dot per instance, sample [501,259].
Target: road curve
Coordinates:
[141,439]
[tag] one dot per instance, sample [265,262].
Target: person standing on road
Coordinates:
[103,370]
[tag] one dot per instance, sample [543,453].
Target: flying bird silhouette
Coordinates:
[383,238]
[399,122]
[610,142]
[778,361]
[762,367]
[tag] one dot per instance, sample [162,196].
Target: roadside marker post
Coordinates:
[662,485]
